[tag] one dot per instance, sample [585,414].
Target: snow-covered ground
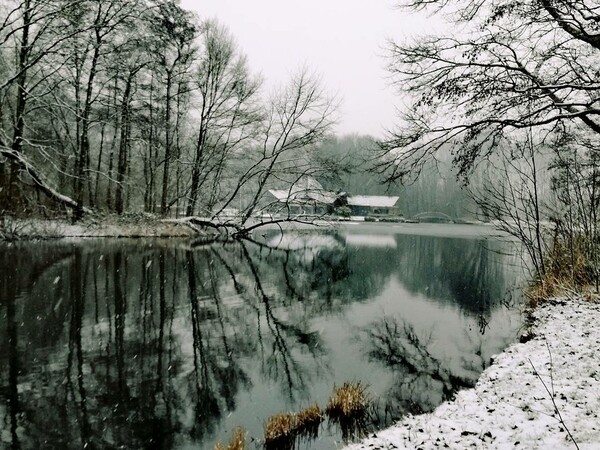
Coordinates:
[511,406]
[37,228]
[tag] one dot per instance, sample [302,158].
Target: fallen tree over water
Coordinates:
[239,228]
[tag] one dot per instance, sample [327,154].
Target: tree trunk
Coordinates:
[195,184]
[40,183]
[149,161]
[122,160]
[165,182]
[81,172]
[111,155]
[13,197]
[191,207]
[99,164]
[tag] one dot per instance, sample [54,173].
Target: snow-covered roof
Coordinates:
[299,196]
[381,201]
[280,194]
[306,189]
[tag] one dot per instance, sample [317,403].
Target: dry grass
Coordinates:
[237,441]
[308,421]
[280,426]
[568,261]
[568,271]
[282,429]
[348,407]
[547,287]
[309,416]
[348,400]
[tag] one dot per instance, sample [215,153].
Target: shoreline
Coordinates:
[113,227]
[147,226]
[511,405]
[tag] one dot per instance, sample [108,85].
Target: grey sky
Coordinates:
[342,40]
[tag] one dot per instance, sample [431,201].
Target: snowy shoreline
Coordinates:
[510,406]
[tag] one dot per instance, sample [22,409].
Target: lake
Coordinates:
[122,343]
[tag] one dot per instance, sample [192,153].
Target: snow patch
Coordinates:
[511,406]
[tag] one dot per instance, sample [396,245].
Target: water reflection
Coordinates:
[422,381]
[161,344]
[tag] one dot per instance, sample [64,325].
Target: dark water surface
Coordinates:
[165,344]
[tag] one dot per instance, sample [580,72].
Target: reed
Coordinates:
[348,407]
[237,441]
[308,421]
[280,431]
[348,400]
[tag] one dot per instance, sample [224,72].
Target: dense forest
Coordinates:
[108,109]
[141,106]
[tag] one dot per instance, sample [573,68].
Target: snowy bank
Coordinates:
[511,405]
[17,229]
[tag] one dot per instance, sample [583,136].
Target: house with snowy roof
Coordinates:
[373,205]
[305,196]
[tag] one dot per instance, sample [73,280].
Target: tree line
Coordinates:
[141,106]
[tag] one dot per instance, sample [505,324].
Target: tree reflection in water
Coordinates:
[123,344]
[422,381]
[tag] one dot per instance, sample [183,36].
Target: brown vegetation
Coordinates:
[568,272]
[280,431]
[348,400]
[237,441]
[308,420]
[348,407]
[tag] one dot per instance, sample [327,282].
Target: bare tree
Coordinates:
[174,31]
[228,110]
[87,55]
[511,192]
[299,116]
[576,184]
[109,80]
[131,70]
[514,66]
[35,28]
[517,72]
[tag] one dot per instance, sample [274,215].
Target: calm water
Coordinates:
[167,344]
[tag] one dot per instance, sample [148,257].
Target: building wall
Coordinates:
[358,210]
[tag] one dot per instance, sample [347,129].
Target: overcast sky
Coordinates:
[342,40]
